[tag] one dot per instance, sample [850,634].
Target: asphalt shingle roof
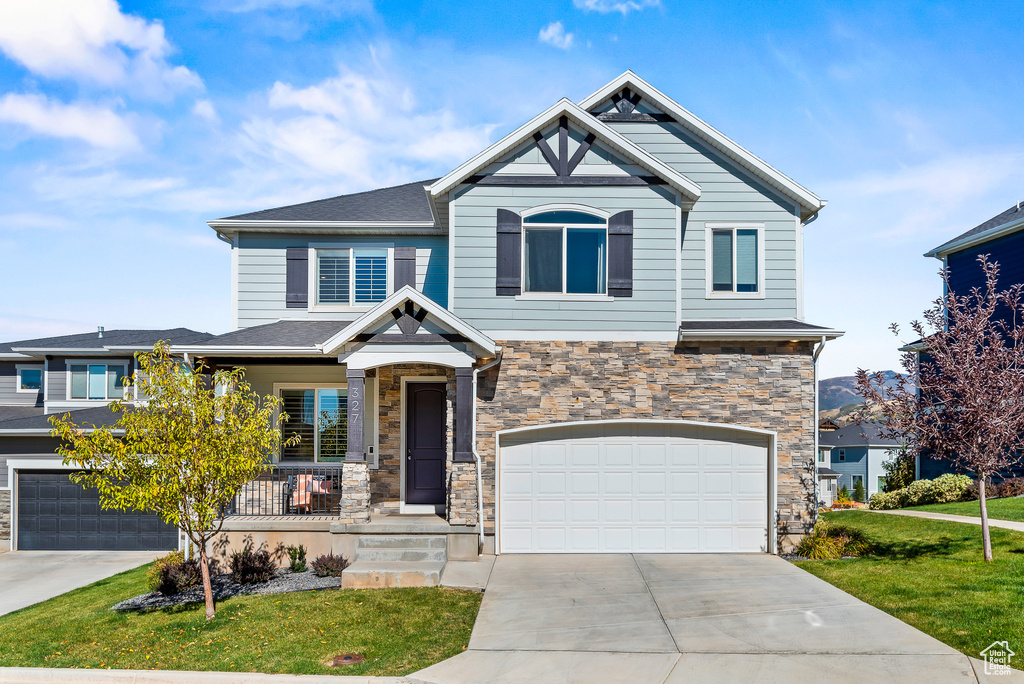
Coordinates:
[111,338]
[999,219]
[279,334]
[96,415]
[396,204]
[855,434]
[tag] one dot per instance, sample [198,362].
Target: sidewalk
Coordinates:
[1005,524]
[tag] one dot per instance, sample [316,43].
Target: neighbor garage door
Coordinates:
[54,513]
[633,487]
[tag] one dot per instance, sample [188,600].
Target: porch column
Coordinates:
[463,415]
[356,407]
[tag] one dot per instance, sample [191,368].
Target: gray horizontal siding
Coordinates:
[9,394]
[728,194]
[652,306]
[56,380]
[27,448]
[261,274]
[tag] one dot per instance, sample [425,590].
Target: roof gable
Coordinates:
[576,116]
[651,101]
[999,225]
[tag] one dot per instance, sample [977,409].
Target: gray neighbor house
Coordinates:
[587,338]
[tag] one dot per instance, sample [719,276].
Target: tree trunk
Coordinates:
[986,536]
[204,567]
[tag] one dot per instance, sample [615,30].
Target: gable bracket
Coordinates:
[581,151]
[546,150]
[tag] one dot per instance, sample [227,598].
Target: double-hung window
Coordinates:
[319,418]
[30,379]
[97,380]
[735,260]
[351,276]
[565,252]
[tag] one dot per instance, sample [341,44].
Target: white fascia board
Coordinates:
[977,239]
[754,334]
[807,199]
[615,140]
[383,310]
[63,350]
[247,351]
[16,357]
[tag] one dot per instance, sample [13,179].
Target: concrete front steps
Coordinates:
[396,560]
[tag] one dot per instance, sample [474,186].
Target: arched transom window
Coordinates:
[565,252]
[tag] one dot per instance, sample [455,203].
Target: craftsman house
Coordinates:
[587,338]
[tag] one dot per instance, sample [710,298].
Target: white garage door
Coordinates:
[633,487]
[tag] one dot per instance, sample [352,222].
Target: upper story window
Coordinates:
[565,252]
[97,380]
[30,379]
[735,260]
[351,276]
[842,454]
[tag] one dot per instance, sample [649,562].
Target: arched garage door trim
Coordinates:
[625,423]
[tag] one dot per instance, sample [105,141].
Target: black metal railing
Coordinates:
[291,490]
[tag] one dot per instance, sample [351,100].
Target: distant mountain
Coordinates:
[835,393]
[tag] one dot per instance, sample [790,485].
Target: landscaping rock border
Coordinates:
[224,586]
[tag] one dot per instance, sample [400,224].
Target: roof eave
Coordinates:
[244,350]
[230,226]
[761,334]
[944,250]
[809,202]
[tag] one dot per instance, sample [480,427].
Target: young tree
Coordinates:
[963,398]
[183,453]
[858,491]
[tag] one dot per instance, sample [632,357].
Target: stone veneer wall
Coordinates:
[5,514]
[763,385]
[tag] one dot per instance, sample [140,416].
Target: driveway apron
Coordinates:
[685,618]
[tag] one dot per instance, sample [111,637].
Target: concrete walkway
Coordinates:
[28,577]
[685,618]
[971,520]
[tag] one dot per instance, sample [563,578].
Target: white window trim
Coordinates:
[709,292]
[311,290]
[29,366]
[576,296]
[278,386]
[68,363]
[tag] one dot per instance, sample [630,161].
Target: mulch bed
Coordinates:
[224,586]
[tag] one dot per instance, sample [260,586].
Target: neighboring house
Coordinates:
[1002,239]
[79,375]
[828,425]
[587,338]
[856,453]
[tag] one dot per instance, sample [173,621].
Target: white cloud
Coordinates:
[554,34]
[608,6]
[336,6]
[97,126]
[94,42]
[363,130]
[205,110]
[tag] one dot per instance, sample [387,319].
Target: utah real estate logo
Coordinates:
[997,658]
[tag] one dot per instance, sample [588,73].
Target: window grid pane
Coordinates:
[585,258]
[332,271]
[564,217]
[30,378]
[97,382]
[332,424]
[721,261]
[300,405]
[371,278]
[543,260]
[115,382]
[746,260]
[79,382]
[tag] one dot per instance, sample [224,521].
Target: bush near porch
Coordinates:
[398,631]
[930,574]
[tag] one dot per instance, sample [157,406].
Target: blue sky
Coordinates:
[123,128]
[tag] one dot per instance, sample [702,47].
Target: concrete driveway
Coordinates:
[28,577]
[685,618]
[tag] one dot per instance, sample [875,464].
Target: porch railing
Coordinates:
[291,490]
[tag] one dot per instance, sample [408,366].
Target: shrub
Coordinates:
[942,489]
[175,579]
[297,556]
[329,565]
[829,541]
[1010,487]
[251,566]
[844,494]
[153,574]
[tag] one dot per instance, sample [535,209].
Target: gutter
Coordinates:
[476,455]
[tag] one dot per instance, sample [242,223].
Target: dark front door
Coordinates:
[426,442]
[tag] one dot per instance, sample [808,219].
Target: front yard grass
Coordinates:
[931,575]
[998,509]
[397,631]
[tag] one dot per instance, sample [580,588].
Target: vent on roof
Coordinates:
[99,331]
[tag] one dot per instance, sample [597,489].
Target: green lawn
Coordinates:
[930,574]
[398,631]
[998,509]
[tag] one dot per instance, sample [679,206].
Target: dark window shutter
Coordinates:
[509,253]
[405,267]
[297,278]
[620,254]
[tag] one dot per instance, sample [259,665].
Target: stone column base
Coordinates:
[462,498]
[5,515]
[355,490]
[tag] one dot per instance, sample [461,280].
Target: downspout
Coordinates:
[814,364]
[476,456]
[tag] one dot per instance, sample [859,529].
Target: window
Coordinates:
[97,381]
[320,419]
[821,456]
[734,260]
[842,454]
[351,276]
[565,252]
[881,483]
[30,379]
